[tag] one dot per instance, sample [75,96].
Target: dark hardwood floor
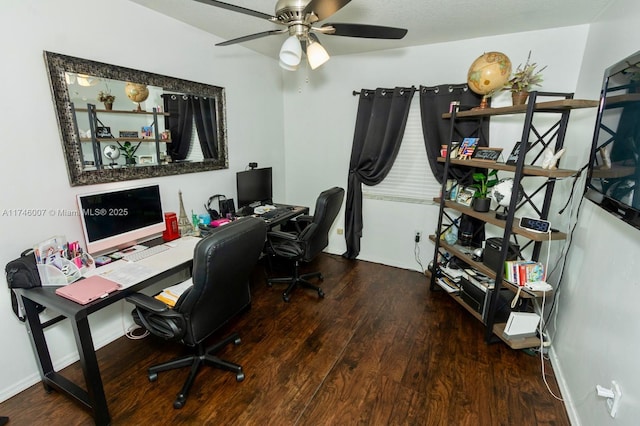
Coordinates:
[380,349]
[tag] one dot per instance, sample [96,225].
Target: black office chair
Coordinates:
[303,246]
[222,265]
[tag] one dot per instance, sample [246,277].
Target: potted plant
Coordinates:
[107,98]
[128,150]
[483,182]
[523,79]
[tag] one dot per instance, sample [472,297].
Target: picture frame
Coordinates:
[128,134]
[485,153]
[103,132]
[147,131]
[515,152]
[467,147]
[145,159]
[465,196]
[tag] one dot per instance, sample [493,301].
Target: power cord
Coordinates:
[416,253]
[130,332]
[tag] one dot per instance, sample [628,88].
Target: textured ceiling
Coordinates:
[428,21]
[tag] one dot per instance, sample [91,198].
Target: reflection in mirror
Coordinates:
[119,124]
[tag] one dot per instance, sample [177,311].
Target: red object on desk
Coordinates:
[171,227]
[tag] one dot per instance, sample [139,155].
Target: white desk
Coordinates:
[176,259]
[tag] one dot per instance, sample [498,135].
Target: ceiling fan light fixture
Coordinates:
[316,54]
[291,52]
[288,67]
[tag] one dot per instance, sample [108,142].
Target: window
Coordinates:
[410,179]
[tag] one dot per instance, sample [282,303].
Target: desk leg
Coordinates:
[91,371]
[38,341]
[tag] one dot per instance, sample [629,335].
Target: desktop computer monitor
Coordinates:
[120,218]
[254,186]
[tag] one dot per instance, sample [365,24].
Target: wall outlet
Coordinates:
[340,231]
[417,237]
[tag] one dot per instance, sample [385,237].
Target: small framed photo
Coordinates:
[515,153]
[147,131]
[128,134]
[145,159]
[103,132]
[465,196]
[484,153]
[467,148]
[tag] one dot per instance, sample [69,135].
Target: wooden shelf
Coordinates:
[613,172]
[126,140]
[526,170]
[490,217]
[551,106]
[116,111]
[622,100]
[526,342]
[461,253]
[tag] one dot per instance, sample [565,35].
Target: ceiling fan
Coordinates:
[299,17]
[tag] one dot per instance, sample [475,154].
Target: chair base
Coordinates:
[201,357]
[298,281]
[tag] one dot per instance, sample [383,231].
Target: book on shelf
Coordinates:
[170,295]
[521,272]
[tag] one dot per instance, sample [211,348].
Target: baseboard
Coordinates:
[564,389]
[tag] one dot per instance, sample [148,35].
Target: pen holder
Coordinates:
[64,271]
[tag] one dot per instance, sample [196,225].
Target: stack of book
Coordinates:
[520,272]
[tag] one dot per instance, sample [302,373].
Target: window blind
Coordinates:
[410,179]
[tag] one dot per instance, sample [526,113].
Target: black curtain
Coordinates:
[380,123]
[179,121]
[204,112]
[434,101]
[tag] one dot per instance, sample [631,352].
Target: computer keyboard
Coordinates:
[274,213]
[143,254]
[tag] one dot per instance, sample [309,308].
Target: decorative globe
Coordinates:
[501,192]
[136,92]
[111,152]
[489,73]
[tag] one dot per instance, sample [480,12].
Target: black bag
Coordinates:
[22,273]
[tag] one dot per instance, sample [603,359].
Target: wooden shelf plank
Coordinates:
[115,111]
[550,106]
[490,217]
[524,343]
[527,170]
[126,140]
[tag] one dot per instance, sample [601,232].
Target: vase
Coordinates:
[481,204]
[519,98]
[108,106]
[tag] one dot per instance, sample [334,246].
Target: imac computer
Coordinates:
[120,218]
[254,187]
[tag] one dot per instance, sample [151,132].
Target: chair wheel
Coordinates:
[239,377]
[321,293]
[153,377]
[237,341]
[179,402]
[286,297]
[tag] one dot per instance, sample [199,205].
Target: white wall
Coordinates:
[598,336]
[33,173]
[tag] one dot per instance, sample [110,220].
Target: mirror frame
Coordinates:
[58,64]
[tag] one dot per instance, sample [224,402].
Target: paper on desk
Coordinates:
[170,295]
[128,273]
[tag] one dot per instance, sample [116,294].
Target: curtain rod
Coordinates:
[356,92]
[452,87]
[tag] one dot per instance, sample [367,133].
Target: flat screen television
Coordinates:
[120,218]
[254,187]
[613,181]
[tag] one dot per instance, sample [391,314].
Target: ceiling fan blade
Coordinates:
[235,8]
[252,37]
[364,31]
[324,8]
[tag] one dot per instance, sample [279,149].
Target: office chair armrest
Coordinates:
[302,222]
[147,303]
[282,235]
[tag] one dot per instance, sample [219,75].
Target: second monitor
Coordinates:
[254,187]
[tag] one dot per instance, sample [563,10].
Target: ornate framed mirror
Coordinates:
[156,126]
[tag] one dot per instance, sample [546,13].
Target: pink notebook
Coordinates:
[88,289]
